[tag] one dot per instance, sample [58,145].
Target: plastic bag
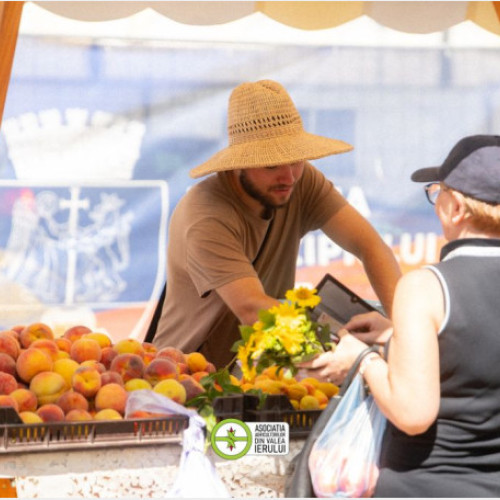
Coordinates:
[344,460]
[193,463]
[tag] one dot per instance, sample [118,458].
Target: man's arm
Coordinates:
[245,297]
[350,230]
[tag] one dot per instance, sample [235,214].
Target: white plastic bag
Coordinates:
[193,463]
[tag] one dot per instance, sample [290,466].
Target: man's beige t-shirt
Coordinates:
[214,240]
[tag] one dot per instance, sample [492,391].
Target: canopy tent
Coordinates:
[410,17]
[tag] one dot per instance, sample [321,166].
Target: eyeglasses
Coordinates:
[432,191]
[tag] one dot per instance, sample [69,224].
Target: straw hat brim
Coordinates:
[271,152]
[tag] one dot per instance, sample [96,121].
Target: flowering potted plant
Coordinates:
[283,335]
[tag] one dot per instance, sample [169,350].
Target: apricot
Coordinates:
[309,402]
[109,377]
[311,381]
[113,396]
[66,368]
[8,383]
[76,332]
[160,369]
[30,417]
[50,412]
[270,386]
[87,381]
[101,338]
[128,365]
[72,400]
[129,346]
[172,389]
[176,355]
[196,362]
[8,401]
[26,399]
[328,389]
[321,397]
[9,345]
[84,349]
[78,415]
[309,387]
[108,414]
[33,332]
[135,384]
[7,364]
[46,345]
[295,391]
[47,386]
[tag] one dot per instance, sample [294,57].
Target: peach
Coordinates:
[101,338]
[47,386]
[141,414]
[30,417]
[199,375]
[183,368]
[78,415]
[196,362]
[50,412]
[62,355]
[128,365]
[112,396]
[9,345]
[149,347]
[135,384]
[33,332]
[32,361]
[76,332]
[26,399]
[66,368]
[129,346]
[160,369]
[210,368]
[172,389]
[108,414]
[84,349]
[7,364]
[46,345]
[87,381]
[107,356]
[72,400]
[18,329]
[8,401]
[192,387]
[148,357]
[176,355]
[110,377]
[63,344]
[7,383]
[94,364]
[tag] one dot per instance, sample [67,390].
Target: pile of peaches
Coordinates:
[82,375]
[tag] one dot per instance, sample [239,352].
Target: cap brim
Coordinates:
[271,152]
[429,174]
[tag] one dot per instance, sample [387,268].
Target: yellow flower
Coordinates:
[303,297]
[284,309]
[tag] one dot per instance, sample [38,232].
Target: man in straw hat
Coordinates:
[234,237]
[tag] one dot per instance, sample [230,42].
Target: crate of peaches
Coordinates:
[72,387]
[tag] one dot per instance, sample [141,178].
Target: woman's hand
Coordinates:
[372,327]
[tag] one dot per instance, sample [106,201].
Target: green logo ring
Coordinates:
[219,439]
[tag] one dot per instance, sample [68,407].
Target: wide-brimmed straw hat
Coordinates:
[265,129]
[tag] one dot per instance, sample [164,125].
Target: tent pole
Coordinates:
[10,17]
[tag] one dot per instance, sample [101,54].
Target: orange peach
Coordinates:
[129,346]
[160,369]
[66,368]
[172,389]
[7,383]
[110,377]
[87,381]
[84,349]
[94,364]
[62,355]
[8,401]
[7,364]
[26,399]
[47,345]
[196,362]
[72,400]
[199,375]
[33,332]
[63,344]
[192,387]
[112,396]
[108,414]
[107,356]
[176,355]
[210,367]
[149,347]
[9,345]
[50,412]
[128,365]
[76,332]
[135,384]
[78,415]
[30,417]
[101,338]
[47,386]
[148,357]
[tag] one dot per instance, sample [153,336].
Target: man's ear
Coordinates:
[459,210]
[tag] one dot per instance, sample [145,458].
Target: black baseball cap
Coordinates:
[472,167]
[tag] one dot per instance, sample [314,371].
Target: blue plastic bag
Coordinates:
[344,461]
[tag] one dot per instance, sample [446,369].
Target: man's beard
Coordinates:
[253,191]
